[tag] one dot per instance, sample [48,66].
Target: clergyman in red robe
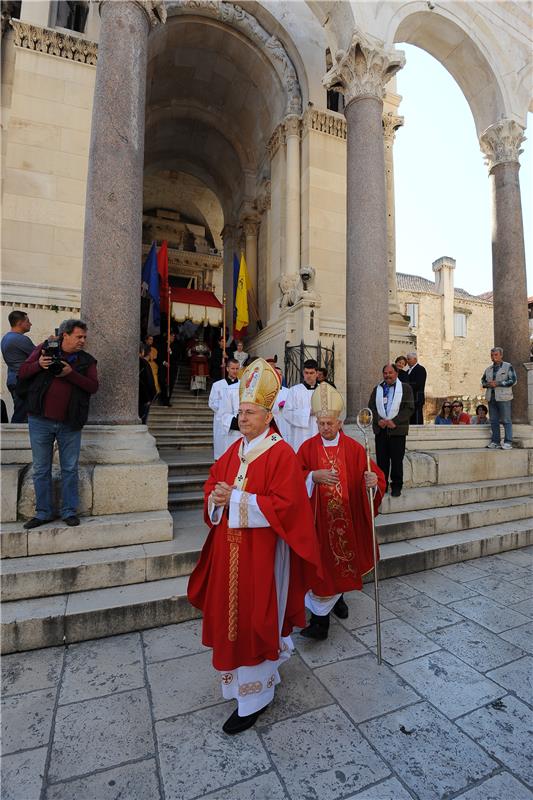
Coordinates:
[335,469]
[260,557]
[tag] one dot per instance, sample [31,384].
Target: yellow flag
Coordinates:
[241,296]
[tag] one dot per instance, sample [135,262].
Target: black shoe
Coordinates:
[396,491]
[317,629]
[72,521]
[35,522]
[236,724]
[340,609]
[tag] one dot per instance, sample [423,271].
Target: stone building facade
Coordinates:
[223,116]
[453,332]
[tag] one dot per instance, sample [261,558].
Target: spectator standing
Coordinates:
[481,415]
[498,380]
[58,408]
[401,364]
[147,389]
[444,417]
[322,376]
[16,347]
[416,378]
[391,403]
[458,415]
[240,355]
[152,360]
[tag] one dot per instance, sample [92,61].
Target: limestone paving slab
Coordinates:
[339,645]
[26,672]
[504,730]
[362,609]
[137,781]
[463,571]
[526,581]
[390,789]
[450,684]
[439,588]
[327,767]
[173,641]
[490,614]
[22,775]
[399,641]
[390,589]
[520,558]
[424,613]
[500,787]
[173,691]
[497,565]
[298,691]
[430,755]
[516,677]
[97,668]
[98,733]
[476,646]
[524,607]
[27,720]
[196,757]
[522,636]
[365,689]
[500,589]
[264,787]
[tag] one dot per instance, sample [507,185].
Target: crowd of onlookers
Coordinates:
[452,413]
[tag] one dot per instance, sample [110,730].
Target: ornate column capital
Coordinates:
[250,227]
[500,143]
[391,123]
[228,232]
[292,125]
[364,70]
[155,10]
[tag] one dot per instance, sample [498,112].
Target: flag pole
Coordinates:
[224,354]
[168,344]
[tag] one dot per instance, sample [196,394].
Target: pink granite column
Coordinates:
[110,291]
[361,75]
[501,145]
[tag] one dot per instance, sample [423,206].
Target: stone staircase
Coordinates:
[63,585]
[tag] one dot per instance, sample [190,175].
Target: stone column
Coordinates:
[229,237]
[111,276]
[361,75]
[251,228]
[292,195]
[501,145]
[391,123]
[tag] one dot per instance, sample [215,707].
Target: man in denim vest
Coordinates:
[498,380]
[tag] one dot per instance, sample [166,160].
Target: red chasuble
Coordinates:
[342,513]
[233,582]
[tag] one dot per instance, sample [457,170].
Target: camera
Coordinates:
[52,349]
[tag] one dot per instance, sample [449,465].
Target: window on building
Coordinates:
[411,309]
[459,324]
[334,100]
[70,14]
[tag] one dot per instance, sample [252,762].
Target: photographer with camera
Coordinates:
[57,381]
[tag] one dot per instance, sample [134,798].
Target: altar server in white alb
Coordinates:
[297,409]
[279,403]
[224,401]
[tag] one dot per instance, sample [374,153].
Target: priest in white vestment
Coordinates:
[224,401]
[297,413]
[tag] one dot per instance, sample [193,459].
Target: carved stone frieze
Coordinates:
[264,198]
[155,10]
[500,143]
[55,43]
[325,122]
[234,15]
[391,123]
[276,140]
[364,70]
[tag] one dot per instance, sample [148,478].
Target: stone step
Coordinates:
[432,522]
[178,444]
[457,494]
[190,499]
[113,530]
[183,431]
[185,482]
[74,617]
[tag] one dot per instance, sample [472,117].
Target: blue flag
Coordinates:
[150,288]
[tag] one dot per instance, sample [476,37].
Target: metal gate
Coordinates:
[296,355]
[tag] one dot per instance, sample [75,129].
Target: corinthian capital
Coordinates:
[292,125]
[364,70]
[500,143]
[155,10]
[391,123]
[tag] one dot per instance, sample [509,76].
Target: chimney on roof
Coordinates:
[443,268]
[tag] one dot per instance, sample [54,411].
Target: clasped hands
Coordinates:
[386,423]
[331,477]
[221,494]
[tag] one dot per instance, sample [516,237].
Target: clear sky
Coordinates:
[443,203]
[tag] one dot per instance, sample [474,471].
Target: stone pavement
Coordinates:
[447,715]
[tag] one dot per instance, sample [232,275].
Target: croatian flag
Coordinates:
[150,288]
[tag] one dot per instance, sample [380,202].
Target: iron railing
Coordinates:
[296,355]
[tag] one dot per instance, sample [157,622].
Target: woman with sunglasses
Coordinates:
[444,417]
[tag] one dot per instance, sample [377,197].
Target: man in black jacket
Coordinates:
[57,397]
[416,378]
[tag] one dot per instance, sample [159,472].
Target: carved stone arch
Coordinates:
[236,17]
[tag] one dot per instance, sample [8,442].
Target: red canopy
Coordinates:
[195,297]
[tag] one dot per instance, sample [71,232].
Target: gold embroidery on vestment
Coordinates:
[243,510]
[234,538]
[250,688]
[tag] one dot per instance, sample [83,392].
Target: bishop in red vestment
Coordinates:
[335,468]
[260,557]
